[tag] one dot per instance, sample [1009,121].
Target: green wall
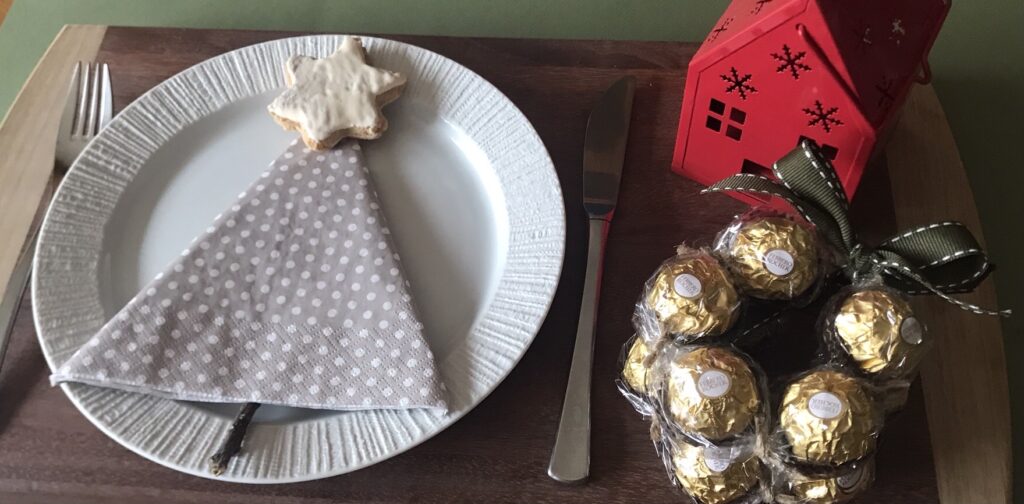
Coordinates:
[977,65]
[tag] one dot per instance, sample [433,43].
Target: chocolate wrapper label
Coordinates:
[848,483]
[713,383]
[825,405]
[687,285]
[779,262]
[911,331]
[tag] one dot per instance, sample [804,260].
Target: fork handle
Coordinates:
[570,459]
[15,290]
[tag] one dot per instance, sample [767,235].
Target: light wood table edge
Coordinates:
[28,134]
[964,377]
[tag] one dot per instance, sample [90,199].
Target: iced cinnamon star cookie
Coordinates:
[335,97]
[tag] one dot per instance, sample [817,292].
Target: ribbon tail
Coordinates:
[905,271]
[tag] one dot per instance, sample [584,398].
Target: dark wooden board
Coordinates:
[499,451]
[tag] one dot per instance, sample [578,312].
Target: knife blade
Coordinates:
[604,150]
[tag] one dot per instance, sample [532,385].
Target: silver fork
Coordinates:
[88,109]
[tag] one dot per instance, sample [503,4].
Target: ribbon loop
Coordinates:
[940,258]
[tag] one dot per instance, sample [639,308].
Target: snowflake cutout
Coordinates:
[821,116]
[718,31]
[898,31]
[758,6]
[739,84]
[791,61]
[865,37]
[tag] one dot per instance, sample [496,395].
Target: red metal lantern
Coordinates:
[773,72]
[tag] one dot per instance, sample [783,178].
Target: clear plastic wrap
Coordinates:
[709,474]
[827,417]
[794,484]
[773,255]
[873,328]
[635,361]
[690,297]
[708,394]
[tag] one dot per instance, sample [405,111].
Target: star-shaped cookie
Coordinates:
[335,97]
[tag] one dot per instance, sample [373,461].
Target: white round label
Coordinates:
[778,262]
[717,459]
[911,331]
[848,481]
[687,285]
[713,383]
[825,405]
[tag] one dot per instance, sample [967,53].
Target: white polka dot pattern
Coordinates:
[293,296]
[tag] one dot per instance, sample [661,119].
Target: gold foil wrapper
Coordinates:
[773,258]
[691,295]
[634,371]
[714,475]
[878,330]
[828,418]
[711,392]
[842,486]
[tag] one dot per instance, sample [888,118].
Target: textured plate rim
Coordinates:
[52,252]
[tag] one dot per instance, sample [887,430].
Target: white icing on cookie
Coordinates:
[334,93]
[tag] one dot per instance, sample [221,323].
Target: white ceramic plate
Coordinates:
[466,184]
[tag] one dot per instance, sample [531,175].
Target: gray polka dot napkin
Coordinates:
[294,296]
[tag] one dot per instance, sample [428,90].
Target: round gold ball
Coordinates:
[837,488]
[773,258]
[828,418]
[879,332]
[713,475]
[634,371]
[712,393]
[691,295]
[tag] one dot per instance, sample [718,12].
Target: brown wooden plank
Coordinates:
[964,378]
[499,451]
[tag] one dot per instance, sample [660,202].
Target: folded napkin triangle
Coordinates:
[294,296]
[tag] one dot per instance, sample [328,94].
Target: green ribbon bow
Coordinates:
[941,258]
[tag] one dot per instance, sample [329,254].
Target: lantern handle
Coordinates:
[926,73]
[801,30]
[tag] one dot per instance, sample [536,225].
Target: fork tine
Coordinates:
[83,100]
[67,119]
[92,127]
[106,98]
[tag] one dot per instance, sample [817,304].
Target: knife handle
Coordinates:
[570,459]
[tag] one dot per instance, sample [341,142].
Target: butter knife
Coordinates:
[604,149]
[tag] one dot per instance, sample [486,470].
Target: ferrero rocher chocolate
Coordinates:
[711,392]
[838,487]
[691,295]
[879,332]
[634,372]
[773,258]
[828,418]
[715,475]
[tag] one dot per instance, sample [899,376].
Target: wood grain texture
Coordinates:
[499,451]
[28,134]
[964,377]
